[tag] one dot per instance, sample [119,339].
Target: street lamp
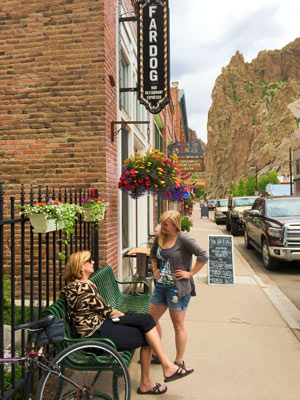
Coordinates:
[255,178]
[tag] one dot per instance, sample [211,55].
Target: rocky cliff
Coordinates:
[254,118]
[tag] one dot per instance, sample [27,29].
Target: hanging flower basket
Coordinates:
[40,223]
[93,209]
[152,172]
[52,216]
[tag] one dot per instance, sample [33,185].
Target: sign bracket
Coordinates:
[123,124]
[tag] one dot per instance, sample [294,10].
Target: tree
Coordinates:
[250,185]
[241,189]
[271,177]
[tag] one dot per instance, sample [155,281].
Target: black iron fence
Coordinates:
[31,271]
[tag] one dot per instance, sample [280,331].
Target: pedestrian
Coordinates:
[171,257]
[92,317]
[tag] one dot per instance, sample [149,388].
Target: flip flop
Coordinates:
[178,374]
[154,391]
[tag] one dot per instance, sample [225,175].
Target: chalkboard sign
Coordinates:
[220,265]
[204,211]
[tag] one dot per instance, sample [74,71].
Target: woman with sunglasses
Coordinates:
[93,317]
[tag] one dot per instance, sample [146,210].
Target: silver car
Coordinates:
[221,209]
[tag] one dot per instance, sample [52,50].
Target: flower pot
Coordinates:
[41,224]
[87,217]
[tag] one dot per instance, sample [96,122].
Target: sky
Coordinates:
[204,35]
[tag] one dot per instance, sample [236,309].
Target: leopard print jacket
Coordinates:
[86,307]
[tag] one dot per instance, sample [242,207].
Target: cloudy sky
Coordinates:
[204,35]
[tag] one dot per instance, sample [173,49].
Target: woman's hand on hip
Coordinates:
[156,273]
[182,274]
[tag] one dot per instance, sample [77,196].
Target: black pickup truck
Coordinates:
[272,227]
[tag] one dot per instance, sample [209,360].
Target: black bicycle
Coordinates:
[85,370]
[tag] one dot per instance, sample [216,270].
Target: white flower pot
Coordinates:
[87,215]
[41,224]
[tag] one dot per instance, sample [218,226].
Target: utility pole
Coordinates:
[291,173]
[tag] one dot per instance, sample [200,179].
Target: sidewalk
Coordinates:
[238,343]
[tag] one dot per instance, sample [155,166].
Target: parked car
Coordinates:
[234,217]
[221,209]
[211,204]
[272,227]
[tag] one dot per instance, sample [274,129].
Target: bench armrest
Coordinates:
[136,293]
[89,339]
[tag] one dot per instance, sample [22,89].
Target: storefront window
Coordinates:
[125,197]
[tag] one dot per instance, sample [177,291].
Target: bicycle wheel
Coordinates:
[91,370]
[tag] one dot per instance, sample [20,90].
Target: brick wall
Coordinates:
[57,100]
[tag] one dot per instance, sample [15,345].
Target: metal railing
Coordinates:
[31,272]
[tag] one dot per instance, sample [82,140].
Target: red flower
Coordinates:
[132,187]
[132,171]
[127,172]
[127,186]
[147,177]
[140,180]
[125,181]
[148,183]
[163,164]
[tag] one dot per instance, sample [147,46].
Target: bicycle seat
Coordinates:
[41,323]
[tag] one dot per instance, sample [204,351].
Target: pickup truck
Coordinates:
[272,227]
[234,215]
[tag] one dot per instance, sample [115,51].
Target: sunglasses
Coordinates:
[89,260]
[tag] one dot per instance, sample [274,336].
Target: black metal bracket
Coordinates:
[127,19]
[133,89]
[123,124]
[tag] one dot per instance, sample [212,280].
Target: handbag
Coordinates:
[52,334]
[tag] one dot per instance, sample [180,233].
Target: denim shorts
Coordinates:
[165,294]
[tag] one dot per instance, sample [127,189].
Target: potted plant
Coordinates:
[93,209]
[186,223]
[52,216]
[152,172]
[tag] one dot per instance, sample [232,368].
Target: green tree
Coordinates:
[241,188]
[271,177]
[250,185]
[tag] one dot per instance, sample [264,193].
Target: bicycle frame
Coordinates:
[33,361]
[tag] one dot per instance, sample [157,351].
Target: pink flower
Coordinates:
[132,171]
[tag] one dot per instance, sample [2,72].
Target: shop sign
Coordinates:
[153,54]
[193,164]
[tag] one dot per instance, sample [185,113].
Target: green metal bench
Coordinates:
[109,290]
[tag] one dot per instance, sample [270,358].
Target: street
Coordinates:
[286,277]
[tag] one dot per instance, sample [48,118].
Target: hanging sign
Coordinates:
[153,54]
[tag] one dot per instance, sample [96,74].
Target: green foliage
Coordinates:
[200,192]
[297,120]
[7,379]
[186,223]
[248,188]
[250,185]
[271,177]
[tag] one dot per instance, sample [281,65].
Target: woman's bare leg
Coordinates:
[177,318]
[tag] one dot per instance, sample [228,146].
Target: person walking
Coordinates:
[92,317]
[171,257]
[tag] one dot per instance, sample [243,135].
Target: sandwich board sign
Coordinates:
[220,263]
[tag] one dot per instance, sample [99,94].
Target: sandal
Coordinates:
[154,390]
[178,374]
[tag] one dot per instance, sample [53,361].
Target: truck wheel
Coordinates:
[227,225]
[234,228]
[269,262]
[246,239]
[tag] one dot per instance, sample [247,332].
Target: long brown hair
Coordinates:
[74,264]
[175,218]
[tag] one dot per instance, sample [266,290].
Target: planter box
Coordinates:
[87,217]
[41,224]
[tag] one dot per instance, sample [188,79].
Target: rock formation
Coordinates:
[254,118]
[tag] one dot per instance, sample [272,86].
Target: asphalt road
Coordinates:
[286,276]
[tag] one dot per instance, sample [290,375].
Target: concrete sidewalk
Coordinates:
[238,343]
